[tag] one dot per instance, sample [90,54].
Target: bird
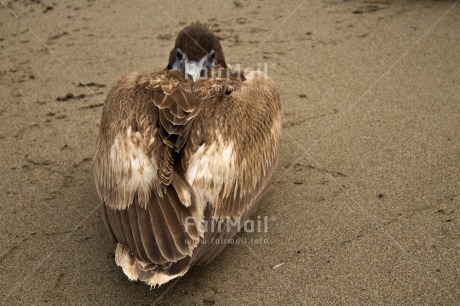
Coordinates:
[183,157]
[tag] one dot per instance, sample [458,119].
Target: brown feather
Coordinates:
[148,238]
[138,248]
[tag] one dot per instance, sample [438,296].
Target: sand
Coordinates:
[364,208]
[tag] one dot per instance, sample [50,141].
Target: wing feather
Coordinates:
[148,238]
[106,220]
[138,248]
[183,213]
[120,228]
[127,232]
[174,226]
[160,228]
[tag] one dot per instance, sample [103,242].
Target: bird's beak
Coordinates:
[199,69]
[193,69]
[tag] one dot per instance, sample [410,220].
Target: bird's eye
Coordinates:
[202,73]
[212,55]
[179,55]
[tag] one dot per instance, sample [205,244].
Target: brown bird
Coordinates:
[183,157]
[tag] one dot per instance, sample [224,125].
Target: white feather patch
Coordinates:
[131,168]
[125,260]
[160,278]
[212,169]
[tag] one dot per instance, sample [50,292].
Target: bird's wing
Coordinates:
[233,149]
[149,208]
[232,154]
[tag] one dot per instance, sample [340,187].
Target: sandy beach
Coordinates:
[365,205]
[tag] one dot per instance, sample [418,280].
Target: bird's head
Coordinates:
[196,49]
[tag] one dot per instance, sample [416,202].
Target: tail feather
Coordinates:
[152,275]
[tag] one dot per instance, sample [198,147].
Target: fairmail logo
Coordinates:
[258,225]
